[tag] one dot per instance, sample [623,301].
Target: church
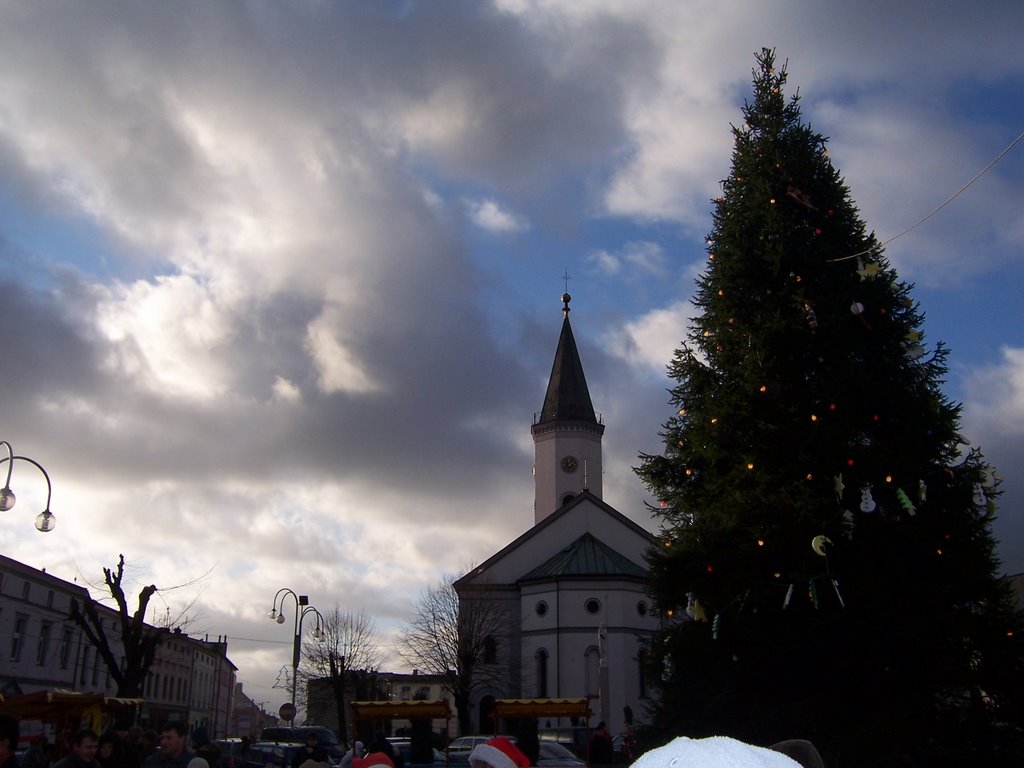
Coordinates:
[573,586]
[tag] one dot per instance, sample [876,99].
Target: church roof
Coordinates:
[587,556]
[567,398]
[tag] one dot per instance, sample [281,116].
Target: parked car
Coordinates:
[404,748]
[459,749]
[270,754]
[326,738]
[554,755]
[574,738]
[230,752]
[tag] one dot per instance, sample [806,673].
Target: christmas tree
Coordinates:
[826,568]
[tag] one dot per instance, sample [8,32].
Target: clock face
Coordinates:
[569,464]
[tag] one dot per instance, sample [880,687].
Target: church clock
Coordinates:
[570,464]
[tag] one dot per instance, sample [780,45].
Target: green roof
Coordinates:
[586,557]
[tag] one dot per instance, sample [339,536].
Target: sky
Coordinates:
[281,281]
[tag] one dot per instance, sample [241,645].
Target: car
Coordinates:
[326,738]
[554,755]
[230,752]
[574,738]
[270,754]
[459,749]
[404,749]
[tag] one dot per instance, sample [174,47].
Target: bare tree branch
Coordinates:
[449,639]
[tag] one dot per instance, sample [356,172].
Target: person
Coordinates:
[356,751]
[204,748]
[173,752]
[499,752]
[713,752]
[83,751]
[147,745]
[9,732]
[108,756]
[311,751]
[381,745]
[37,755]
[600,749]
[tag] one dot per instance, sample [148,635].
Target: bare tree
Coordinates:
[139,639]
[350,648]
[450,639]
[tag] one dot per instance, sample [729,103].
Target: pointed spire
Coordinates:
[567,398]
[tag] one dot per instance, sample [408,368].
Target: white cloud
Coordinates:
[487,214]
[650,340]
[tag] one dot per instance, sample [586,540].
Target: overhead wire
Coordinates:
[953,197]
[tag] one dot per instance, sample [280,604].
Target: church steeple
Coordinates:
[567,436]
[567,398]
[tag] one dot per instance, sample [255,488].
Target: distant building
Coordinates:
[247,717]
[575,584]
[191,679]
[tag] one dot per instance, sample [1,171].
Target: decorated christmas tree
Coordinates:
[826,567]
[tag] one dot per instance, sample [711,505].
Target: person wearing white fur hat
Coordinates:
[717,752]
[499,752]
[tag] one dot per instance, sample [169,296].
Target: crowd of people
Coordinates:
[118,747]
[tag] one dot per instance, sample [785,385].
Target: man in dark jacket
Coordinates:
[83,751]
[173,752]
[311,751]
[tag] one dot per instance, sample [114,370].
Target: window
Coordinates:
[490,650]
[593,605]
[44,642]
[18,635]
[542,674]
[96,668]
[49,599]
[85,664]
[542,608]
[641,608]
[65,647]
[25,590]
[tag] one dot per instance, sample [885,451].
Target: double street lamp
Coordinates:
[302,609]
[45,520]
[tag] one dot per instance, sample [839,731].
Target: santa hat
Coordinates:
[498,753]
[372,759]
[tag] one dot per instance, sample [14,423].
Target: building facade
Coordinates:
[42,649]
[575,584]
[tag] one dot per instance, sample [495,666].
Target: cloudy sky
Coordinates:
[280,286]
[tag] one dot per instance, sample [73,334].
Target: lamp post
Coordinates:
[45,520]
[302,609]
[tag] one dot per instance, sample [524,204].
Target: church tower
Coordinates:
[567,436]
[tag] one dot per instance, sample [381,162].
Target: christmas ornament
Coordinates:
[922,491]
[818,544]
[867,503]
[848,524]
[812,319]
[867,271]
[800,197]
[789,595]
[979,495]
[839,487]
[858,309]
[905,501]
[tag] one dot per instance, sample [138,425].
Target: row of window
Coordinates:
[19,637]
[591,671]
[26,591]
[591,605]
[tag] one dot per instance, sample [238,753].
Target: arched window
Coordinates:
[591,662]
[490,650]
[542,674]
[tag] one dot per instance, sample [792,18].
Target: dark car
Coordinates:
[230,752]
[404,749]
[326,738]
[270,754]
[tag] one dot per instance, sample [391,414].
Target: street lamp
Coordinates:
[302,609]
[45,520]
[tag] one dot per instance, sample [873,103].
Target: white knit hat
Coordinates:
[714,752]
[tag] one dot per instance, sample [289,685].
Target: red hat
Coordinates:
[372,759]
[499,753]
